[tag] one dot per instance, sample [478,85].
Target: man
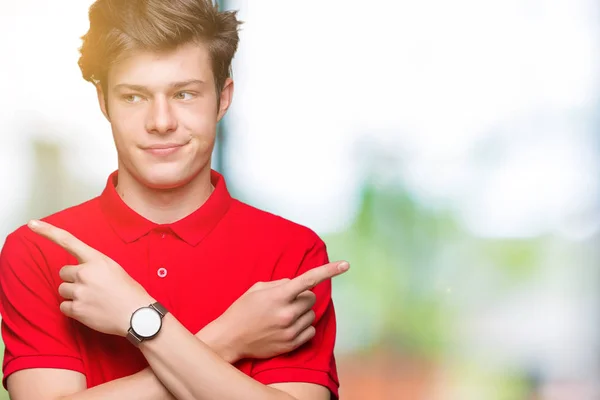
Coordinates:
[149,291]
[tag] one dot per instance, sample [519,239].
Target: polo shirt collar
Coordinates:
[131,226]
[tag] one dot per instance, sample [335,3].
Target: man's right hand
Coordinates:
[271,318]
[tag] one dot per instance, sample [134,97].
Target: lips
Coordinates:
[163,149]
[163,146]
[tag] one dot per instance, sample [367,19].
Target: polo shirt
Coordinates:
[196,267]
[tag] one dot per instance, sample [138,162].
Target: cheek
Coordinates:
[199,124]
[125,127]
[122,135]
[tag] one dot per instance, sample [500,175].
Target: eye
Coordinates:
[132,98]
[184,96]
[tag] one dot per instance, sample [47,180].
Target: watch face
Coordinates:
[146,322]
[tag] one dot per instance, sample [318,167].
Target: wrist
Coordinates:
[221,341]
[135,304]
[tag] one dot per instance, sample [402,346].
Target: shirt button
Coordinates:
[162,272]
[163,236]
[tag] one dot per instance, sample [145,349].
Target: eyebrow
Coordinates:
[172,85]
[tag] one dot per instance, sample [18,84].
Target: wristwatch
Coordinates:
[146,323]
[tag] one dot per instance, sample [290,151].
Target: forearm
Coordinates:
[191,371]
[140,386]
[144,385]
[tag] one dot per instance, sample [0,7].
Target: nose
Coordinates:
[161,119]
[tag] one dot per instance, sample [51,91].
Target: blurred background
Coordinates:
[448,149]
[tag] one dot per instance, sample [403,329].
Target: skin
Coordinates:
[164,109]
[151,105]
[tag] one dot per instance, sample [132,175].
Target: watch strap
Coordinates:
[160,309]
[133,338]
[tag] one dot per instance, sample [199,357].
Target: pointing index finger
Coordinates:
[313,277]
[81,251]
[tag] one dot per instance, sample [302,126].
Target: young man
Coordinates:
[149,291]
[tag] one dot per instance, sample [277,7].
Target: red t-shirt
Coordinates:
[196,267]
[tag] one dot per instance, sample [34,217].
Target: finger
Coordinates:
[66,307]
[68,273]
[267,285]
[308,298]
[313,277]
[304,337]
[304,302]
[276,283]
[303,322]
[81,251]
[67,290]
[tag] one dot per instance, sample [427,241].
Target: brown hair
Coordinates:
[120,26]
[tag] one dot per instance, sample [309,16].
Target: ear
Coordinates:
[225,98]
[102,101]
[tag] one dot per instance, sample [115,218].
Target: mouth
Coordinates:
[164,149]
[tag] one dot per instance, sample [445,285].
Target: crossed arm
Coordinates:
[57,384]
[182,365]
[54,384]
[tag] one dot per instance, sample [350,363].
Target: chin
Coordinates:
[165,178]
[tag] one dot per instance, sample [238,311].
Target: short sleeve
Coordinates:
[314,362]
[35,333]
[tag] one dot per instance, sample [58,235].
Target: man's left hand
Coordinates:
[97,292]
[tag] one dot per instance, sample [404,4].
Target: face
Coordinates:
[163,109]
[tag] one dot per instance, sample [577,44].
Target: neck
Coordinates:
[164,206]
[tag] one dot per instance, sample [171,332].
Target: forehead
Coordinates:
[155,68]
